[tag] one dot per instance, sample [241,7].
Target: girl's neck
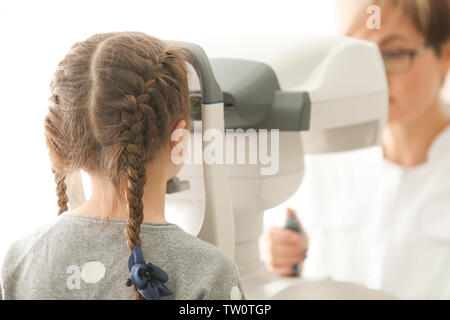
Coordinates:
[407,143]
[153,200]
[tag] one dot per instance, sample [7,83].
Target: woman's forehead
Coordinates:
[394,28]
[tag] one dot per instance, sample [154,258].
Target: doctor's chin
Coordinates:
[302,153]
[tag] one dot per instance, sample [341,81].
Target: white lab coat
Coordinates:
[375,223]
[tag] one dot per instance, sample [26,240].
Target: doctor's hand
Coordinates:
[280,249]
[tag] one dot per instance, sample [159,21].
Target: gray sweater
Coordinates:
[80,257]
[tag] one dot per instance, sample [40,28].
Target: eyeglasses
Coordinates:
[401,60]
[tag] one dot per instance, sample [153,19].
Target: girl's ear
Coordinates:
[176,135]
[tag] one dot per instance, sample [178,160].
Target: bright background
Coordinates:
[35,36]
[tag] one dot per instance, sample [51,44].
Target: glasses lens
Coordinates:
[397,63]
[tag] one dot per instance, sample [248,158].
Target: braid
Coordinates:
[139,121]
[135,128]
[133,154]
[58,154]
[61,189]
[136,182]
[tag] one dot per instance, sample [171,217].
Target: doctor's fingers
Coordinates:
[277,234]
[283,267]
[282,254]
[282,248]
[279,266]
[275,238]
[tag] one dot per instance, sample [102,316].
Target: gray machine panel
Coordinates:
[253,97]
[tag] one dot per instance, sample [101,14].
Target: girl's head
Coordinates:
[414,39]
[116,98]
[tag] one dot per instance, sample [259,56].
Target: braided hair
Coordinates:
[115,97]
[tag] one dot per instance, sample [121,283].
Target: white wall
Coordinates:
[35,36]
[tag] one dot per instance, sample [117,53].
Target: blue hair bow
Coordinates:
[148,278]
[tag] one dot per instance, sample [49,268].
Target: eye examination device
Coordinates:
[274,98]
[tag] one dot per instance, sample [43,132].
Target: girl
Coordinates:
[386,221]
[116,99]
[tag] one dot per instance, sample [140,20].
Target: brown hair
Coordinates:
[430,17]
[115,97]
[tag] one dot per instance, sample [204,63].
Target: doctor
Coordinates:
[386,219]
